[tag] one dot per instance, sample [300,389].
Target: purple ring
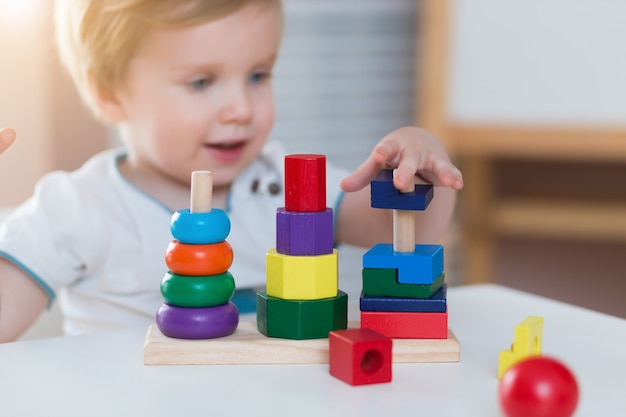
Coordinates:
[197,323]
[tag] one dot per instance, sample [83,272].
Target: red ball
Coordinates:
[538,387]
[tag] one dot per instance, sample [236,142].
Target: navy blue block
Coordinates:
[385,195]
[435,304]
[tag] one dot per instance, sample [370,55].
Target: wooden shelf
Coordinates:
[558,219]
[559,143]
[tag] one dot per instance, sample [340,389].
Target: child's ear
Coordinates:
[106,102]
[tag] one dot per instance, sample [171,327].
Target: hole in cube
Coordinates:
[372,361]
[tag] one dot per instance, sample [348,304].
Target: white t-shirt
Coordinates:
[98,242]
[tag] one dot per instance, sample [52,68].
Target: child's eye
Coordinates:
[200,84]
[258,77]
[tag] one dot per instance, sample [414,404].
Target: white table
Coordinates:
[103,374]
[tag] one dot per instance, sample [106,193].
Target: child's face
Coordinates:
[200,98]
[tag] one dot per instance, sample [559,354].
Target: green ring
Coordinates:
[197,291]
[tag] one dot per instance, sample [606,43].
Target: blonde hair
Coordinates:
[97,39]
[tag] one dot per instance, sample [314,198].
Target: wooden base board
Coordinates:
[248,346]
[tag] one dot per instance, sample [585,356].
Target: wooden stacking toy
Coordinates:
[302,299]
[198,288]
[404,291]
[302,304]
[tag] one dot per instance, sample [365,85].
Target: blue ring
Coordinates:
[200,228]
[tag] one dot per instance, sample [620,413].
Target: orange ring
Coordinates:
[199,260]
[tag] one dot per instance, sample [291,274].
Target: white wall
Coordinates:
[557,62]
[344,77]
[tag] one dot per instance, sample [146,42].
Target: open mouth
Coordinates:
[226,146]
[226,152]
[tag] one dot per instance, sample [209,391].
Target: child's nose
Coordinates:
[236,106]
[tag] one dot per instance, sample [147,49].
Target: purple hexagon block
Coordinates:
[304,233]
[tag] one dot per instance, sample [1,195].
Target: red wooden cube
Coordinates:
[360,356]
[305,182]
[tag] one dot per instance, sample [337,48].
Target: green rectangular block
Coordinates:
[384,282]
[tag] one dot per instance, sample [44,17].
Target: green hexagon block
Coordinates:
[301,319]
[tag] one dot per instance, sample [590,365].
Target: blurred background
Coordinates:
[528,96]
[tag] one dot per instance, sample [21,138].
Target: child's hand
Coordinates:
[413,151]
[7,136]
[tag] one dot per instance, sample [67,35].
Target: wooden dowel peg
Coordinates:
[404,225]
[201,192]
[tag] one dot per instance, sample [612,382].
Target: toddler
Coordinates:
[187,84]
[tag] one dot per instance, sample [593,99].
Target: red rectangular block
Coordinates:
[360,356]
[305,182]
[401,325]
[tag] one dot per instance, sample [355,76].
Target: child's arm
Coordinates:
[21,299]
[412,151]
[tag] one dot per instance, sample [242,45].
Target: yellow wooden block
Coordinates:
[301,277]
[527,343]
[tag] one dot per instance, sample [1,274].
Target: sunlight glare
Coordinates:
[19,10]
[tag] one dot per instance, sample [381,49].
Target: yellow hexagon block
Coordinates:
[528,340]
[301,277]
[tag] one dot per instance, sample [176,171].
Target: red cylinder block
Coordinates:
[305,182]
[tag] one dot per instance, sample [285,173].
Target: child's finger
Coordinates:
[387,152]
[361,176]
[452,178]
[391,154]
[447,174]
[443,173]
[385,155]
[7,136]
[406,170]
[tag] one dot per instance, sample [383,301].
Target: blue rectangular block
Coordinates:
[435,304]
[385,195]
[420,267]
